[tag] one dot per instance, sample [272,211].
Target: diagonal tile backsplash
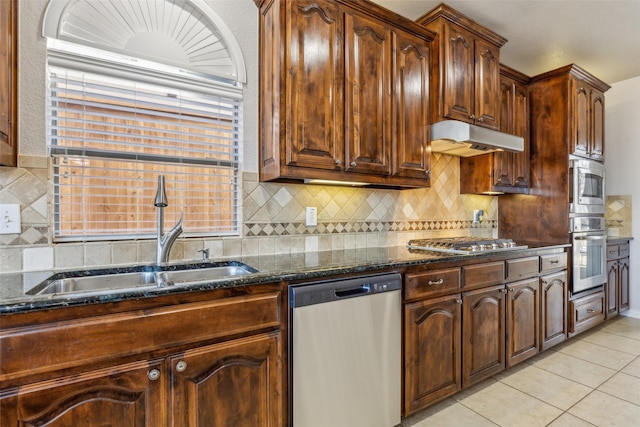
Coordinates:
[273,220]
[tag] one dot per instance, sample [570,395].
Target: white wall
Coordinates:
[622,161]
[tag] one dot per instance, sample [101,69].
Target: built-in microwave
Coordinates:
[587,187]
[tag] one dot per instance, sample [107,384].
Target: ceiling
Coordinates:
[601,36]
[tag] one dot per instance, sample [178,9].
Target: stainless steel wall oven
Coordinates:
[589,253]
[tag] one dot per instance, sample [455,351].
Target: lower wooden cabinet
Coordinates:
[586,312]
[215,362]
[483,333]
[554,293]
[130,395]
[617,286]
[431,351]
[523,308]
[237,383]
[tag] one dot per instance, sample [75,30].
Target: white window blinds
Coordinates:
[110,137]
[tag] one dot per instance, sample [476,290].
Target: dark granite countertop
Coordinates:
[271,268]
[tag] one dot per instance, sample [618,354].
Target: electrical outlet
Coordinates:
[477,215]
[312,217]
[10,219]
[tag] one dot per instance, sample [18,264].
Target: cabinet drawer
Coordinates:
[623,250]
[586,312]
[553,262]
[431,283]
[522,268]
[481,275]
[612,252]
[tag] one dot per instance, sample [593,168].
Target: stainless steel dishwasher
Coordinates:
[345,352]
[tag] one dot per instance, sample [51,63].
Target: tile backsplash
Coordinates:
[273,220]
[618,216]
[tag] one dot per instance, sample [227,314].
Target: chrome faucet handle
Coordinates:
[161,195]
[205,254]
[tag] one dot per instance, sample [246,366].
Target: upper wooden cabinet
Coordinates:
[344,90]
[8,82]
[583,96]
[466,87]
[588,118]
[503,171]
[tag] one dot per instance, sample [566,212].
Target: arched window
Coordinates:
[139,88]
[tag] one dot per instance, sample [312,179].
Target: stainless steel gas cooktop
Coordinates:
[464,245]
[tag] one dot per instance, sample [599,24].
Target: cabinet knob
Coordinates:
[459,301]
[435,282]
[502,291]
[427,173]
[481,119]
[181,366]
[472,117]
[353,164]
[153,374]
[338,162]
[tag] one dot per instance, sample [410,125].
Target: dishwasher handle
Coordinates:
[360,290]
[304,294]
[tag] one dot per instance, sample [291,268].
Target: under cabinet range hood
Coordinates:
[465,140]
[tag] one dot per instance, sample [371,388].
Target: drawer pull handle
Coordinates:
[436,282]
[590,310]
[181,366]
[153,374]
[555,261]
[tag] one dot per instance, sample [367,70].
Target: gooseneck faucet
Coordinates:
[164,241]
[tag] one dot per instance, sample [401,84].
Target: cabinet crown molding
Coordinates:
[452,15]
[575,71]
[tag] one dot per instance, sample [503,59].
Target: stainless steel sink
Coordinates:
[166,276]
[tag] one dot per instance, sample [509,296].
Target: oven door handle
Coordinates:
[589,238]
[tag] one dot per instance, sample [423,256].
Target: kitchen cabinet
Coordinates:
[467,85]
[588,119]
[559,109]
[553,315]
[617,286]
[586,312]
[431,351]
[150,366]
[483,334]
[8,82]
[355,110]
[522,323]
[503,171]
[464,322]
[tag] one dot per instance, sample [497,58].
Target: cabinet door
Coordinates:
[314,85]
[458,84]
[431,351]
[483,334]
[487,85]
[521,128]
[596,149]
[623,282]
[553,309]
[523,311]
[611,289]
[368,95]
[235,383]
[503,173]
[130,395]
[8,82]
[580,117]
[411,157]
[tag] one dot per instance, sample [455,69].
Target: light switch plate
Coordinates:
[312,217]
[10,219]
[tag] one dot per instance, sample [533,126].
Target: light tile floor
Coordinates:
[593,379]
